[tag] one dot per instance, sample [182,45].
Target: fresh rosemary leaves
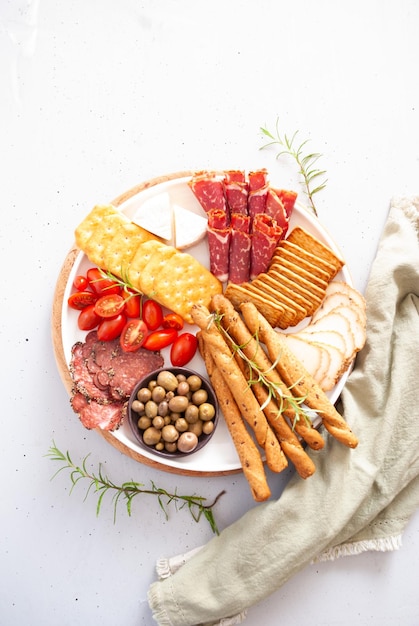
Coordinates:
[102,485]
[306,162]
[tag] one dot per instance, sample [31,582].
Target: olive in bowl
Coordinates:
[173,412]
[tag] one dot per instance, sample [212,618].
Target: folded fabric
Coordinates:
[376,486]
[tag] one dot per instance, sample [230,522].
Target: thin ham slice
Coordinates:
[240,248]
[265,237]
[219,236]
[209,191]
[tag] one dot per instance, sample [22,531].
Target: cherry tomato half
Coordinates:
[80,283]
[133,335]
[111,328]
[152,314]
[132,303]
[88,319]
[101,285]
[173,320]
[110,306]
[159,339]
[183,349]
[81,299]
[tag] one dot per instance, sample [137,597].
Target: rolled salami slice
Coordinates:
[265,237]
[240,248]
[209,191]
[219,236]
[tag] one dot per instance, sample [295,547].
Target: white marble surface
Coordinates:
[97,97]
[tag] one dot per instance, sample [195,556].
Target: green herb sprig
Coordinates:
[127,491]
[306,162]
[259,376]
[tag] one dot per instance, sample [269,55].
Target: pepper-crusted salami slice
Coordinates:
[94,415]
[266,236]
[240,248]
[209,191]
[219,235]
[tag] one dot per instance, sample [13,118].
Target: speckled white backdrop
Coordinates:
[98,96]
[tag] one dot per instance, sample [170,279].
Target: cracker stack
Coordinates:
[294,285]
[174,279]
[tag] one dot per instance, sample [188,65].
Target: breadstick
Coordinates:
[249,455]
[246,401]
[296,376]
[252,349]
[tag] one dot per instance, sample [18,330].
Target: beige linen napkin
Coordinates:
[358,499]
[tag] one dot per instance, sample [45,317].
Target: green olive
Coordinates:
[178,404]
[158,394]
[144,422]
[151,409]
[183,388]
[167,380]
[206,411]
[170,446]
[158,422]
[196,428]
[144,394]
[192,414]
[159,446]
[181,425]
[137,406]
[208,427]
[151,436]
[194,382]
[163,409]
[169,433]
[200,396]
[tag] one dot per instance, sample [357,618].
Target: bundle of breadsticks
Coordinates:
[262,390]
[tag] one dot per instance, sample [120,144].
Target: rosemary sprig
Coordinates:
[259,376]
[102,485]
[306,162]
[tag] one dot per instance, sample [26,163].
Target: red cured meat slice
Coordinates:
[209,191]
[287,198]
[236,194]
[265,238]
[240,249]
[257,179]
[256,202]
[129,367]
[276,210]
[219,235]
[84,380]
[237,176]
[94,415]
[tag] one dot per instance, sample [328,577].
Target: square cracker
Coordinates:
[121,250]
[283,254]
[183,282]
[291,300]
[142,256]
[294,287]
[88,226]
[272,311]
[310,243]
[153,268]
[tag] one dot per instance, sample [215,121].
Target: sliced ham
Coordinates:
[265,237]
[240,248]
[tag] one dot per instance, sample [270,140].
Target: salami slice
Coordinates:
[219,236]
[266,236]
[209,191]
[94,415]
[240,248]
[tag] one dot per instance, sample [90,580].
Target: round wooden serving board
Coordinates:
[58,346]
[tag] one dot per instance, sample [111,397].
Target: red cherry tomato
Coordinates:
[183,349]
[132,303]
[101,285]
[109,306]
[159,339]
[81,299]
[111,328]
[133,335]
[173,320]
[88,319]
[152,314]
[81,283]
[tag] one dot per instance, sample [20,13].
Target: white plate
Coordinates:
[220,454]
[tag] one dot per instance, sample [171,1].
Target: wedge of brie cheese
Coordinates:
[173,223]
